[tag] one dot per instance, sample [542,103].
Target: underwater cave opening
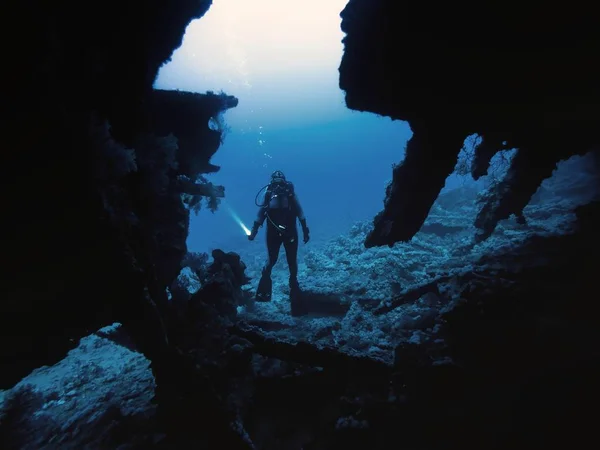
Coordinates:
[444,335]
[291,116]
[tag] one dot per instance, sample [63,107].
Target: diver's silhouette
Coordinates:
[280,210]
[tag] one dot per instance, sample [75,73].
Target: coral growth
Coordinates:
[365,280]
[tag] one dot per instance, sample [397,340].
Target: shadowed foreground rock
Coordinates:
[504,336]
[99,181]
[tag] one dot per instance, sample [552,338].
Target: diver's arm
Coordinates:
[261,216]
[301,217]
[298,208]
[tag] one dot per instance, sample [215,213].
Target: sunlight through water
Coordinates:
[280,58]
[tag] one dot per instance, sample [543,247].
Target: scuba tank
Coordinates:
[279,197]
[276,200]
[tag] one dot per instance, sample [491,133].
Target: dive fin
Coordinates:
[265,287]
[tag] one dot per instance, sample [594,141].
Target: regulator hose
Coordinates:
[258,194]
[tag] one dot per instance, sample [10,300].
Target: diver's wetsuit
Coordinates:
[280,210]
[289,239]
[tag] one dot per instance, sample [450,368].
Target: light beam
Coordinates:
[237,220]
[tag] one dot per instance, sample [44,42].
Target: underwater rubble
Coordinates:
[99,396]
[388,329]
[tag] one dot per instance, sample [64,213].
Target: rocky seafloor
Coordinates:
[362,302]
[354,284]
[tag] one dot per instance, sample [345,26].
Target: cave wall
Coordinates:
[91,171]
[496,70]
[96,162]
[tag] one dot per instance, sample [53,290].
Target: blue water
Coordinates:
[339,169]
[291,117]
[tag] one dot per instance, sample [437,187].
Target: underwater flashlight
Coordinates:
[237,220]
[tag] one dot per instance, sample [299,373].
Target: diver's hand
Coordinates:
[306,235]
[253,232]
[305,230]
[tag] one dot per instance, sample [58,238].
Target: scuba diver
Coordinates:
[280,209]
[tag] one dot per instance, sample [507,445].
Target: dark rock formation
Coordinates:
[204,375]
[453,70]
[99,173]
[82,209]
